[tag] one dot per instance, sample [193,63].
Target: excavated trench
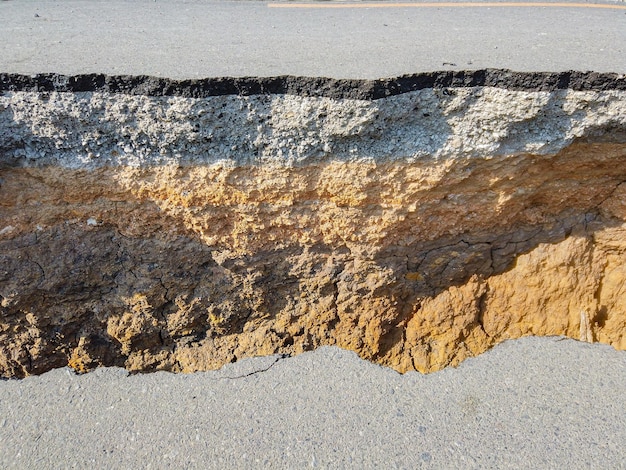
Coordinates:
[163,225]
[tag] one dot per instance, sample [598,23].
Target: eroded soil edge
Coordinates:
[414,263]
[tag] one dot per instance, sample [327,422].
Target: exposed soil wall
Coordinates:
[418,228]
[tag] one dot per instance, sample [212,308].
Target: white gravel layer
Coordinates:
[89,130]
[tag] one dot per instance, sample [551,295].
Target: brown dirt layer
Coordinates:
[416,266]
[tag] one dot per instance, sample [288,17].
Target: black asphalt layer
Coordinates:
[362,89]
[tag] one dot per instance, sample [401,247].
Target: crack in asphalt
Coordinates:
[280,357]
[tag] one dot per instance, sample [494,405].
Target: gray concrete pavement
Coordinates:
[193,38]
[531,403]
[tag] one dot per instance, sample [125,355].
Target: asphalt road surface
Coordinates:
[528,404]
[193,39]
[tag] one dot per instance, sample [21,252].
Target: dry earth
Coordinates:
[177,233]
